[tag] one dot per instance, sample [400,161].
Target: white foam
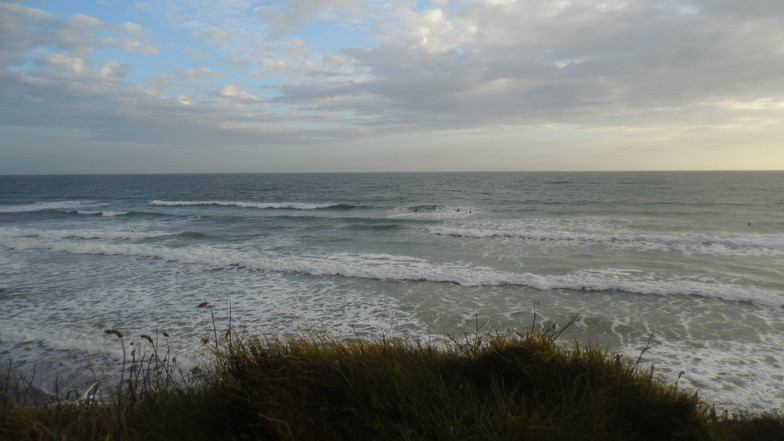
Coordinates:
[732,375]
[405,268]
[57,336]
[101,213]
[747,245]
[638,282]
[41,206]
[240,204]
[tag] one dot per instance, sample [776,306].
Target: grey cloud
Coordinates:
[24,29]
[61,88]
[529,65]
[650,62]
[123,114]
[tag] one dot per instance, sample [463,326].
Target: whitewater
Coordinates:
[688,263]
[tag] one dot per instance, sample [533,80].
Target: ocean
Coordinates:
[687,264]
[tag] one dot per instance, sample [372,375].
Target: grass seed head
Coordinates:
[203,304]
[116,332]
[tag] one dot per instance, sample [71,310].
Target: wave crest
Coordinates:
[257,205]
[393,267]
[744,245]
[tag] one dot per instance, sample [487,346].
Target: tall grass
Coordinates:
[318,387]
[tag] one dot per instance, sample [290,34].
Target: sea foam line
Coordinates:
[728,244]
[99,213]
[240,204]
[42,206]
[413,269]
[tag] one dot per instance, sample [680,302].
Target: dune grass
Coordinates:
[485,387]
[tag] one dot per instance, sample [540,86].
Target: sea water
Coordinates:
[688,265]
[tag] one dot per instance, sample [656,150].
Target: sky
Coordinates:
[178,86]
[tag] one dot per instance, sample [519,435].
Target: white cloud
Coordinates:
[298,45]
[71,65]
[215,35]
[134,28]
[111,70]
[81,21]
[184,100]
[233,91]
[272,65]
[431,30]
[131,45]
[333,58]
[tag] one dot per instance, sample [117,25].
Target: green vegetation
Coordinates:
[488,387]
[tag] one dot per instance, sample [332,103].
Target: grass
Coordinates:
[484,387]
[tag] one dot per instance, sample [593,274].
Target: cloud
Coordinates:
[26,32]
[270,65]
[215,35]
[335,59]
[285,18]
[107,111]
[538,62]
[184,78]
[134,28]
[218,21]
[235,61]
[62,87]
[233,91]
[81,21]
[429,30]
[111,71]
[71,65]
[369,69]
[193,53]
[298,45]
[131,45]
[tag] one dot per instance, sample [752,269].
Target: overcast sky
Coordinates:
[113,86]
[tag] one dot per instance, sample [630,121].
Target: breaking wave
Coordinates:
[387,267]
[257,205]
[43,206]
[750,244]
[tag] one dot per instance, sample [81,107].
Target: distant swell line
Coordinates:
[736,243]
[257,205]
[43,206]
[98,213]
